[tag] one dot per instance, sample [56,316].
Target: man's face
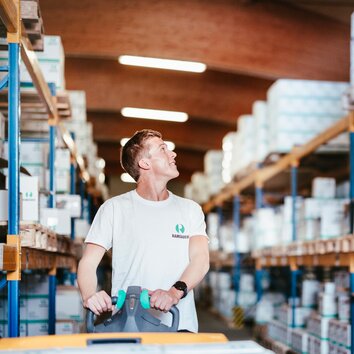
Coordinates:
[161,158]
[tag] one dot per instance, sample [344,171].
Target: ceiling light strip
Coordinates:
[168,64]
[155,114]
[170,145]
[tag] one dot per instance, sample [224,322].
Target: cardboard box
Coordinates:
[58,220]
[39,171]
[82,228]
[31,153]
[53,49]
[70,202]
[37,307]
[3,205]
[35,284]
[37,328]
[66,327]
[324,188]
[29,189]
[69,304]
[62,159]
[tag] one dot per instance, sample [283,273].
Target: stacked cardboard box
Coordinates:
[51,62]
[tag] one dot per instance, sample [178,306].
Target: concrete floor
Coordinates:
[211,323]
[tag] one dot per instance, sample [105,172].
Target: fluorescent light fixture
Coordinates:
[143,113]
[100,163]
[126,177]
[101,177]
[168,64]
[123,141]
[170,145]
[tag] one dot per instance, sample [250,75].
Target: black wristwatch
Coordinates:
[182,286]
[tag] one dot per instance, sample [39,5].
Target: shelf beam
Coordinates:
[8,15]
[8,256]
[30,59]
[39,259]
[300,152]
[260,176]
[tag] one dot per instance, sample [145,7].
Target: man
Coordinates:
[158,240]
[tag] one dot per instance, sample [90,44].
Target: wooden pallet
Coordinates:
[33,25]
[32,108]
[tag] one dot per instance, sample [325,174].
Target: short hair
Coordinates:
[133,150]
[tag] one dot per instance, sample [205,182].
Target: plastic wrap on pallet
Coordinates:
[213,162]
[200,184]
[266,228]
[78,105]
[332,216]
[228,146]
[300,109]
[310,290]
[323,188]
[247,145]
[260,113]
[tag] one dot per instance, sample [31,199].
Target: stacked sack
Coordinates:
[298,110]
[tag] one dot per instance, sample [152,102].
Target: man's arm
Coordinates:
[192,276]
[97,302]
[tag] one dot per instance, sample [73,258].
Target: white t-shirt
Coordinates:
[150,244]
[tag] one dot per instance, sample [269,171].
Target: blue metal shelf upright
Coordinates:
[351,226]
[14,185]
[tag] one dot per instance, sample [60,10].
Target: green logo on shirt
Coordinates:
[180,228]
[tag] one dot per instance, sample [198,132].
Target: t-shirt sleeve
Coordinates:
[101,230]
[198,227]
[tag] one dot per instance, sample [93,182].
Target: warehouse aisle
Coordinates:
[209,323]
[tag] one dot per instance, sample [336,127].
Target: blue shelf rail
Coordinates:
[14,185]
[351,226]
[259,270]
[52,204]
[10,16]
[72,192]
[236,223]
[293,267]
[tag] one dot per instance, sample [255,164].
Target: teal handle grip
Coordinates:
[145,299]
[121,298]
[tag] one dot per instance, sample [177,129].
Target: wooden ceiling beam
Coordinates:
[211,95]
[263,38]
[193,134]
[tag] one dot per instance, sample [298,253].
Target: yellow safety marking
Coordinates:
[238,317]
[295,163]
[53,271]
[351,121]
[15,240]
[80,340]
[351,263]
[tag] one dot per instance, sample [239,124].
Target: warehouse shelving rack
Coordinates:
[332,252]
[14,257]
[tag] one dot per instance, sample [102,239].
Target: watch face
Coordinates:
[180,285]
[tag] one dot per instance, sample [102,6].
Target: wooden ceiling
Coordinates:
[246,45]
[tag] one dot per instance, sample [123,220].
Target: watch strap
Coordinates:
[182,286]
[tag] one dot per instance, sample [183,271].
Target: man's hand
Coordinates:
[99,302]
[163,300]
